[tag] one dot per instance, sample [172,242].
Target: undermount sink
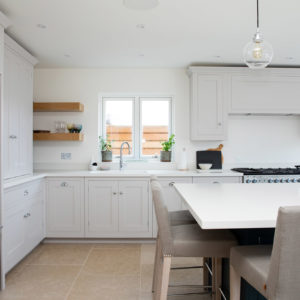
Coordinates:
[119,172]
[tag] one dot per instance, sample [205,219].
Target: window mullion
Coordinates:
[137,130]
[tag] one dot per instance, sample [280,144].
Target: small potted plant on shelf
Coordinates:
[166,153]
[106,152]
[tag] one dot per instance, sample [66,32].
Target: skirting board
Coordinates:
[98,241]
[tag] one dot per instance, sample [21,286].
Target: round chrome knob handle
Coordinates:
[254,181]
[276,180]
[270,180]
[294,180]
[288,180]
[298,180]
[282,180]
[248,181]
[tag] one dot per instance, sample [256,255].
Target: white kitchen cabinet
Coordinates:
[24,221]
[218,179]
[18,101]
[101,208]
[172,199]
[208,109]
[65,207]
[118,208]
[265,91]
[135,218]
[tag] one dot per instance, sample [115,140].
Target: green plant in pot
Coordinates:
[166,153]
[106,152]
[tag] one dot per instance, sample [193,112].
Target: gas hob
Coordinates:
[270,175]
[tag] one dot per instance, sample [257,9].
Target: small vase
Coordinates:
[106,156]
[165,156]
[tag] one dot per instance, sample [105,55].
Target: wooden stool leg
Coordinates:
[218,277]
[156,263]
[235,285]
[161,291]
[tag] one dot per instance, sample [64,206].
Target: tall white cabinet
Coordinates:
[18,99]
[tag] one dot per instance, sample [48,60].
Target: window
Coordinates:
[142,121]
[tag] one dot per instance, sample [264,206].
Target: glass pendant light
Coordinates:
[258,53]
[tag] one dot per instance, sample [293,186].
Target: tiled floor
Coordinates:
[90,272]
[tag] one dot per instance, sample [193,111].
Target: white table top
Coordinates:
[229,206]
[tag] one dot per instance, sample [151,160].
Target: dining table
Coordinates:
[248,210]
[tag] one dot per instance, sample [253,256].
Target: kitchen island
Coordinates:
[250,211]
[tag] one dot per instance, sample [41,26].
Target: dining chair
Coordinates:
[274,271]
[185,241]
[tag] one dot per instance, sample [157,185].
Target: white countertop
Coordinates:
[118,173]
[228,206]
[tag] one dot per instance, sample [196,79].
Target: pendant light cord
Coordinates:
[257,14]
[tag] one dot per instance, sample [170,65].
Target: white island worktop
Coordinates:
[230,206]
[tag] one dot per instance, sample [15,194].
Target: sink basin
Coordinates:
[121,172]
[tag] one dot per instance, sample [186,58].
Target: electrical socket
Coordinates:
[66,156]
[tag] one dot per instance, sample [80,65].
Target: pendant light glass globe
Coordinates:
[258,53]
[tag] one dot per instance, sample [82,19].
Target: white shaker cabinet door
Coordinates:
[207,108]
[101,208]
[135,209]
[65,207]
[173,200]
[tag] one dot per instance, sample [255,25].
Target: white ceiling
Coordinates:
[177,33]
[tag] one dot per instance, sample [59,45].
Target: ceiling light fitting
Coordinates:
[41,26]
[258,53]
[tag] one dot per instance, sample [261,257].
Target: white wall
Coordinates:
[252,140]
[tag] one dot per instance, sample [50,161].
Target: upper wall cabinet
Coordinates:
[266,91]
[208,115]
[18,99]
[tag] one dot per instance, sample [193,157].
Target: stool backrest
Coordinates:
[284,274]
[162,216]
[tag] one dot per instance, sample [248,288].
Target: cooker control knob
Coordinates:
[282,180]
[276,180]
[249,180]
[270,180]
[298,180]
[294,180]
[254,181]
[288,180]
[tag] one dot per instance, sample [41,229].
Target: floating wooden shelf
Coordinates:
[58,106]
[57,136]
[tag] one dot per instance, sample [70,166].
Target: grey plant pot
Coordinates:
[165,156]
[106,156]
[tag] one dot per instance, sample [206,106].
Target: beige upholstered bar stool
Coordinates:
[274,272]
[184,241]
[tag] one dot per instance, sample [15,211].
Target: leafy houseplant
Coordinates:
[106,152]
[166,153]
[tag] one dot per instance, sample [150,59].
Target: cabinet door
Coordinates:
[65,207]
[18,98]
[208,118]
[172,199]
[135,210]
[35,227]
[217,179]
[101,208]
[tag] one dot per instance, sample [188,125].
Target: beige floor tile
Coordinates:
[91,286]
[121,261]
[146,278]
[117,246]
[147,253]
[61,254]
[40,282]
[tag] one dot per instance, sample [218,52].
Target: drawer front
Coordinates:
[217,179]
[21,195]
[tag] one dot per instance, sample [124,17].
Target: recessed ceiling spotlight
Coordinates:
[289,58]
[217,56]
[141,55]
[67,55]
[41,26]
[140,4]
[140,26]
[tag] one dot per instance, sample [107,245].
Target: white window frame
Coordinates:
[137,130]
